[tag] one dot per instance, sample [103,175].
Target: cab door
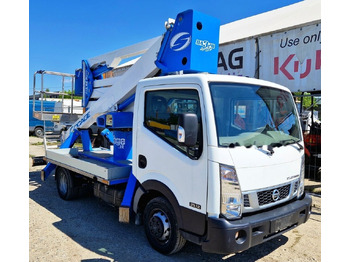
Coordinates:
[159,155]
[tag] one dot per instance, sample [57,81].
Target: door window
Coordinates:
[162,109]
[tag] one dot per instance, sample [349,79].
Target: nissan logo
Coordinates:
[275,195]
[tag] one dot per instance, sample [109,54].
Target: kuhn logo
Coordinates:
[180,41]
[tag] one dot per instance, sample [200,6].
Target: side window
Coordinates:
[162,110]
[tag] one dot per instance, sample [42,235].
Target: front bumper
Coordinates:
[225,237]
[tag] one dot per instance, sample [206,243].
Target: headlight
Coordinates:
[301,179]
[231,195]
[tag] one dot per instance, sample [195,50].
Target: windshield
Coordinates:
[249,115]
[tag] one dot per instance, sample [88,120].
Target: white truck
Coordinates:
[216,160]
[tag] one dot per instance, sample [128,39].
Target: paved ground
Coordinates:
[88,230]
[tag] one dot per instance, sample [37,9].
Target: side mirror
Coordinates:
[188,129]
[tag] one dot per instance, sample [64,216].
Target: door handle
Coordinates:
[142,161]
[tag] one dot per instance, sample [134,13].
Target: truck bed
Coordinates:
[97,164]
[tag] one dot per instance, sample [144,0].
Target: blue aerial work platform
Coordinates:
[190,45]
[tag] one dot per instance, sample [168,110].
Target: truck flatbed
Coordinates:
[96,164]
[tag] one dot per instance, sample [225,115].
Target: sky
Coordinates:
[63,33]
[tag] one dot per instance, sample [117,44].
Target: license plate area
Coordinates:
[282,223]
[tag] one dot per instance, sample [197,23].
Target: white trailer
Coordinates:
[216,160]
[282,46]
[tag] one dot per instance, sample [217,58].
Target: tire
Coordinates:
[65,184]
[161,227]
[39,131]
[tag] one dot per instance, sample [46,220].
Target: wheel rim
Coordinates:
[63,183]
[159,226]
[39,132]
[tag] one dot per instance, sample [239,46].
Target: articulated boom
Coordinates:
[110,92]
[187,43]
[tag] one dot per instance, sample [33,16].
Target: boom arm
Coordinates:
[122,86]
[190,44]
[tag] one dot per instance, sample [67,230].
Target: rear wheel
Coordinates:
[65,184]
[161,227]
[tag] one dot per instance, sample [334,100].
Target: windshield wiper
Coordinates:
[299,145]
[232,145]
[276,144]
[292,141]
[269,149]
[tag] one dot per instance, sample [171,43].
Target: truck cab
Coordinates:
[247,156]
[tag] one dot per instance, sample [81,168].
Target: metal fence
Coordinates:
[309,105]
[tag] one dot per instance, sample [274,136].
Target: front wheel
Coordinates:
[161,227]
[39,131]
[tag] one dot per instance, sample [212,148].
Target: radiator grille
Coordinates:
[266,197]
